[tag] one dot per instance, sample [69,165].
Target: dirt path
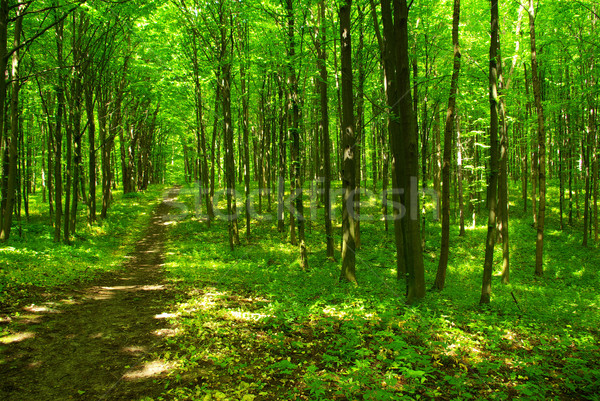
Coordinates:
[96,343]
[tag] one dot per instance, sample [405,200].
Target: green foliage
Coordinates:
[251,323]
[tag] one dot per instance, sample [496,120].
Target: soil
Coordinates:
[96,342]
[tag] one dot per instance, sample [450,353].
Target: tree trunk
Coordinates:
[537,92]
[448,134]
[14,128]
[486,288]
[296,192]
[348,272]
[234,238]
[323,83]
[404,148]
[60,100]
[91,122]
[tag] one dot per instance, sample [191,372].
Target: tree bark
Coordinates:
[14,127]
[448,134]
[348,272]
[541,143]
[324,124]
[295,137]
[486,288]
[404,148]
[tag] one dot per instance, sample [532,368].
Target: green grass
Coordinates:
[253,325]
[33,262]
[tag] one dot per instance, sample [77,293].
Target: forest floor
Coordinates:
[94,341]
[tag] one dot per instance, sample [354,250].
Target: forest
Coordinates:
[299,199]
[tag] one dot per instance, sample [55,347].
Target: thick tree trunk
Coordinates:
[404,147]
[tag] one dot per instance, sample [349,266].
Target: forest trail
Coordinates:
[97,342]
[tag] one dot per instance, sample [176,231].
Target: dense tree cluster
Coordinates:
[287,96]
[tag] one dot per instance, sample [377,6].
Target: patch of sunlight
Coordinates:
[17,337]
[205,302]
[148,370]
[248,316]
[166,332]
[334,312]
[134,349]
[40,308]
[153,287]
[120,288]
[164,315]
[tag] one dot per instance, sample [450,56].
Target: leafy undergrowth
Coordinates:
[253,326]
[33,263]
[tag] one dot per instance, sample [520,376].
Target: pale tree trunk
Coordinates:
[448,134]
[486,288]
[348,272]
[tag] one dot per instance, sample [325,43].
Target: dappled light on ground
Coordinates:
[99,341]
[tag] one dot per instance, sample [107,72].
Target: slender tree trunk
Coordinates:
[486,288]
[459,161]
[282,162]
[537,92]
[448,134]
[360,123]
[234,238]
[91,122]
[295,137]
[246,146]
[14,128]
[348,272]
[60,107]
[3,140]
[323,83]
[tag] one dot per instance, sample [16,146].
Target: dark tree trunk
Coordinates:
[448,134]
[322,64]
[541,142]
[295,138]
[14,128]
[486,288]
[404,147]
